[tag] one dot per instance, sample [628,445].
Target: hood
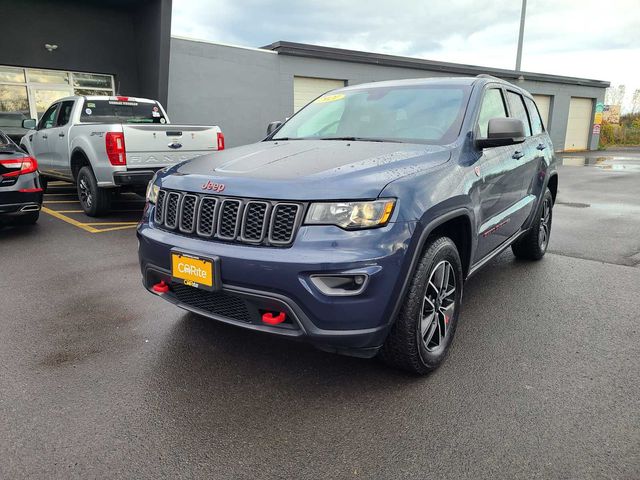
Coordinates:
[305,169]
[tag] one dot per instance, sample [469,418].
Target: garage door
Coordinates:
[305,89]
[544,104]
[579,123]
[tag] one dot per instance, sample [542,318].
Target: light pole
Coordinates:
[521,36]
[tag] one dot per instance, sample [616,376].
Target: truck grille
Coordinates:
[258,222]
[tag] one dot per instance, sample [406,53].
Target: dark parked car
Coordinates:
[355,224]
[11,125]
[20,190]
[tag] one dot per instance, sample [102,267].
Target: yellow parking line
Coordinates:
[60,194]
[69,220]
[62,201]
[111,223]
[116,228]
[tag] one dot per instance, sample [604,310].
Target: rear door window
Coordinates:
[519,111]
[536,120]
[119,111]
[493,106]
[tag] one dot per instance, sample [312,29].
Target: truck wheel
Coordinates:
[421,335]
[94,201]
[533,245]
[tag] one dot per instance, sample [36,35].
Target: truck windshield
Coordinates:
[119,111]
[416,113]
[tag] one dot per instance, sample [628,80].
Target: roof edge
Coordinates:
[339,54]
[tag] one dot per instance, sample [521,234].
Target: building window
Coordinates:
[28,92]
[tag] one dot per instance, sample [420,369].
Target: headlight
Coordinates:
[351,215]
[152,190]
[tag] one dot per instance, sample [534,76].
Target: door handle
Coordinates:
[517,155]
[541,146]
[45,136]
[61,134]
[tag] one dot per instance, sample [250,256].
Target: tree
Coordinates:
[635,101]
[615,95]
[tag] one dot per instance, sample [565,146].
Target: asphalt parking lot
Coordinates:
[99,379]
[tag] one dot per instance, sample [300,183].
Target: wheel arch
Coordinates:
[79,159]
[444,224]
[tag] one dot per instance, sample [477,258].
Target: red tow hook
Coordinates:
[270,319]
[160,287]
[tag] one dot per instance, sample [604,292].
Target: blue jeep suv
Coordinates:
[354,224]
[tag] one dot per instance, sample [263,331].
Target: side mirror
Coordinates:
[502,132]
[29,124]
[273,126]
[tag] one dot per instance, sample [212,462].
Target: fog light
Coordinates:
[340,284]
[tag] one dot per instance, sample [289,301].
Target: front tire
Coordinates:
[533,245]
[422,334]
[94,201]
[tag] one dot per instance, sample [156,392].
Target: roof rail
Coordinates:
[486,75]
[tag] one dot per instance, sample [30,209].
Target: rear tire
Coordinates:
[533,245]
[422,334]
[94,201]
[27,219]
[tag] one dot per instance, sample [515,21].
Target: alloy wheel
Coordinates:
[545,224]
[438,306]
[85,193]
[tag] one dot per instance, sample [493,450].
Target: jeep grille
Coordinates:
[258,222]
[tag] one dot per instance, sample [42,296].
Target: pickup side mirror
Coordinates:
[502,132]
[29,124]
[273,126]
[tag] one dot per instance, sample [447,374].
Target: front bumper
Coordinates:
[278,279]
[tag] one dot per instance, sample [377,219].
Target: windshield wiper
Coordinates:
[361,139]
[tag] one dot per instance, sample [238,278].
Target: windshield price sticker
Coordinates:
[330,98]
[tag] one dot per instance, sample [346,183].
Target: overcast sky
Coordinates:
[597,39]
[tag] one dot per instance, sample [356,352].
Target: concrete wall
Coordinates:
[129,40]
[242,90]
[238,89]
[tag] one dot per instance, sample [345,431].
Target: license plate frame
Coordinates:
[199,261]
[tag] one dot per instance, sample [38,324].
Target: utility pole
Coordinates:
[521,36]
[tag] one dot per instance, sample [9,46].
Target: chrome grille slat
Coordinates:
[254,221]
[207,216]
[187,215]
[159,209]
[283,223]
[171,210]
[229,219]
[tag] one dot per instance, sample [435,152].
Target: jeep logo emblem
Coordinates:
[175,145]
[216,187]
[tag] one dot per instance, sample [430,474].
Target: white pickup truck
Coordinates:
[107,143]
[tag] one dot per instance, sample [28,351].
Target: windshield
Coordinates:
[119,111]
[416,113]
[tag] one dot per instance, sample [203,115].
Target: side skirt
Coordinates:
[507,243]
